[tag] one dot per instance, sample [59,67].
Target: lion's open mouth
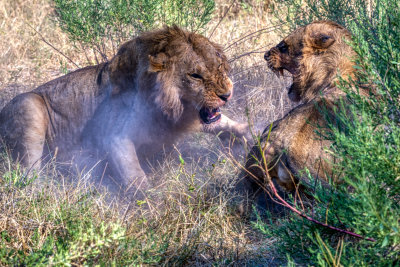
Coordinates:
[209,115]
[278,71]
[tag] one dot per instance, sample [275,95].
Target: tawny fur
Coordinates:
[315,55]
[145,97]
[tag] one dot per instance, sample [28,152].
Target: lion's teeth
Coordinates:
[214,115]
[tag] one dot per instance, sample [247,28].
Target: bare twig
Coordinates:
[246,54]
[52,46]
[86,54]
[287,205]
[219,22]
[247,69]
[260,31]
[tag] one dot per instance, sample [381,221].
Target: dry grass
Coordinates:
[190,207]
[24,57]
[187,222]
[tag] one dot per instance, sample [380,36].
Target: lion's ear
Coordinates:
[158,63]
[321,40]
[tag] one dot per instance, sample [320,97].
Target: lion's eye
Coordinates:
[196,76]
[282,46]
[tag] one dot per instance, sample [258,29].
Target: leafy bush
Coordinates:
[293,13]
[368,201]
[103,24]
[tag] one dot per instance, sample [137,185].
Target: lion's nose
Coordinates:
[225,97]
[267,55]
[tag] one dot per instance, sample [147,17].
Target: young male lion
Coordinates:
[315,55]
[159,86]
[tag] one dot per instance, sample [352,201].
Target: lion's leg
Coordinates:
[125,165]
[251,182]
[24,125]
[284,177]
[229,126]
[287,180]
[233,135]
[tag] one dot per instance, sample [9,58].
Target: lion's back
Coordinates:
[74,89]
[70,101]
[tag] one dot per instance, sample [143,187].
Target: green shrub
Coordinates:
[102,25]
[367,144]
[293,13]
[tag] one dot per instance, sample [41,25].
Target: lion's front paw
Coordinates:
[237,131]
[242,130]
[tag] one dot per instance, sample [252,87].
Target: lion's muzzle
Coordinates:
[267,55]
[211,112]
[273,61]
